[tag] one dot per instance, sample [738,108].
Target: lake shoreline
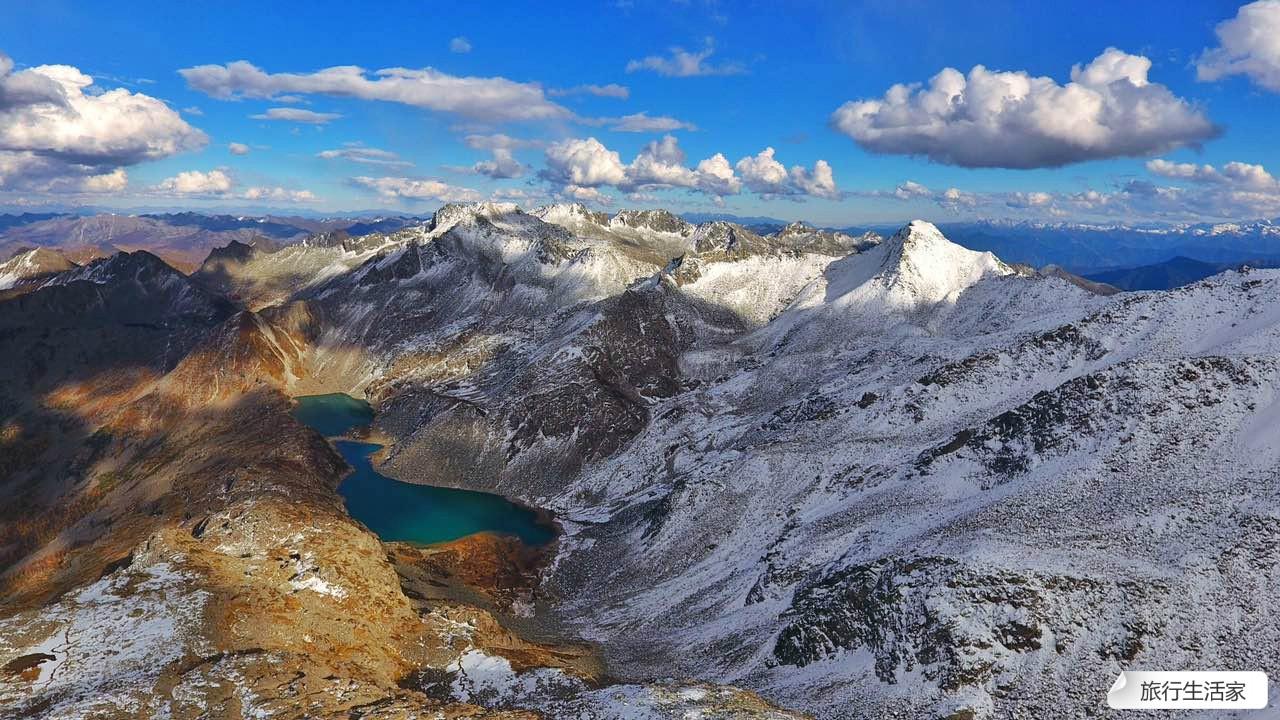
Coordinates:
[360,429]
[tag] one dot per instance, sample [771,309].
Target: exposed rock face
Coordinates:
[907,481]
[173,544]
[29,267]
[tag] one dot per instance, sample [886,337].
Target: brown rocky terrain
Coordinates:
[172,542]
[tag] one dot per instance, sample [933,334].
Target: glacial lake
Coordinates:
[407,512]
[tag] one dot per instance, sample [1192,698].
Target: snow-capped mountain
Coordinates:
[865,478]
[31,266]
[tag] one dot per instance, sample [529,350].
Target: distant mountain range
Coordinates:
[181,239]
[184,239]
[1086,249]
[1171,273]
[863,476]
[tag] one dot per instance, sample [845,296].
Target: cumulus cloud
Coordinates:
[1014,120]
[1023,200]
[1190,193]
[402,188]
[365,156]
[297,115]
[503,165]
[236,148]
[612,90]
[585,163]
[460,45]
[57,130]
[662,164]
[1236,174]
[585,194]
[763,174]
[911,189]
[489,99]
[955,199]
[641,122]
[115,181]
[195,182]
[278,194]
[679,62]
[1248,44]
[818,183]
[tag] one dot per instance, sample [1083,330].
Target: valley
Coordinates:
[403,512]
[804,473]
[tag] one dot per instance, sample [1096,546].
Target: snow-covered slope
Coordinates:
[866,479]
[893,481]
[31,266]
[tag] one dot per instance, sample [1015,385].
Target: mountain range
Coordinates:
[798,472]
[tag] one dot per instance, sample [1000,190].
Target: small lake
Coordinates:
[407,512]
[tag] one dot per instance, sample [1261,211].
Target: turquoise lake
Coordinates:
[406,512]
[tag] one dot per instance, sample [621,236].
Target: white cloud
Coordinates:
[192,110]
[460,45]
[195,182]
[57,129]
[716,177]
[503,165]
[820,182]
[236,148]
[955,199]
[365,156]
[585,163]
[1248,44]
[585,194]
[1238,175]
[1033,199]
[494,142]
[661,164]
[1200,193]
[279,194]
[764,175]
[488,99]
[679,62]
[396,188]
[1014,120]
[911,189]
[114,181]
[297,115]
[612,90]
[641,123]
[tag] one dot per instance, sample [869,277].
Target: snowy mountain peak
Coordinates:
[917,270]
[921,256]
[572,216]
[799,227]
[453,213]
[32,265]
[657,220]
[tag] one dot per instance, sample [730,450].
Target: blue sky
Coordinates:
[769,75]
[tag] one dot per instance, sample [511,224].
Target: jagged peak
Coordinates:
[657,220]
[920,265]
[234,251]
[453,213]
[560,213]
[798,227]
[922,241]
[32,265]
[137,264]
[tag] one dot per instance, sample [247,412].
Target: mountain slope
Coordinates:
[1167,275]
[865,479]
[32,266]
